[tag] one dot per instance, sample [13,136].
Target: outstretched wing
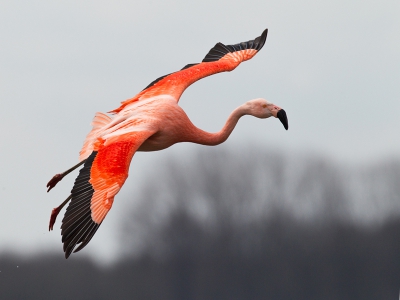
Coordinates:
[220,58]
[101,178]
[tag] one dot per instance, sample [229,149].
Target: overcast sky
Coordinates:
[334,66]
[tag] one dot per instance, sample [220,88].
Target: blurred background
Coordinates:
[309,213]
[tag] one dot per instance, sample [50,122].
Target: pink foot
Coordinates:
[52,183]
[53,217]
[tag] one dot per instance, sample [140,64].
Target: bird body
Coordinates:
[150,121]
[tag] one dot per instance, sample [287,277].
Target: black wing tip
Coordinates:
[81,239]
[217,52]
[263,38]
[220,50]
[77,225]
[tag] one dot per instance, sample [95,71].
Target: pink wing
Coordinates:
[220,58]
[107,164]
[101,178]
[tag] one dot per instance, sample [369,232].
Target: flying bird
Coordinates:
[150,121]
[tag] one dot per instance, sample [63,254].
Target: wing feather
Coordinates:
[220,58]
[100,179]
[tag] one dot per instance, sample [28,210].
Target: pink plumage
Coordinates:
[150,121]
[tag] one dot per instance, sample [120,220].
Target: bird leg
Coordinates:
[55,211]
[56,178]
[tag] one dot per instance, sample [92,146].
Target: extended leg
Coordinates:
[56,178]
[56,211]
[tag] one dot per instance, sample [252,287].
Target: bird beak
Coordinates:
[281,115]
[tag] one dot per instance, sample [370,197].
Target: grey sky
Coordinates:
[334,66]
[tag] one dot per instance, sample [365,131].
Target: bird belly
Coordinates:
[157,142]
[169,133]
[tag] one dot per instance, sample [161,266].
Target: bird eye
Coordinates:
[264,105]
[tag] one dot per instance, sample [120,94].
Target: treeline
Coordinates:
[278,259]
[245,225]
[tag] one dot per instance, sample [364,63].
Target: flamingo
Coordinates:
[150,121]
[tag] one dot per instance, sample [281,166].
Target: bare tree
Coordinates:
[223,191]
[251,224]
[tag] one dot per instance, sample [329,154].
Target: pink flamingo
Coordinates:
[150,121]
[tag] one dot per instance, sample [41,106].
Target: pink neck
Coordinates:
[199,136]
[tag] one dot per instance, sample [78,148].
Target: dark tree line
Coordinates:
[244,225]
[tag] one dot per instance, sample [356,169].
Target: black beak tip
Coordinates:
[281,115]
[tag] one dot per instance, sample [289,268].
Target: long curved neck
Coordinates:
[199,136]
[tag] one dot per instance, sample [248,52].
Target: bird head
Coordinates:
[262,109]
